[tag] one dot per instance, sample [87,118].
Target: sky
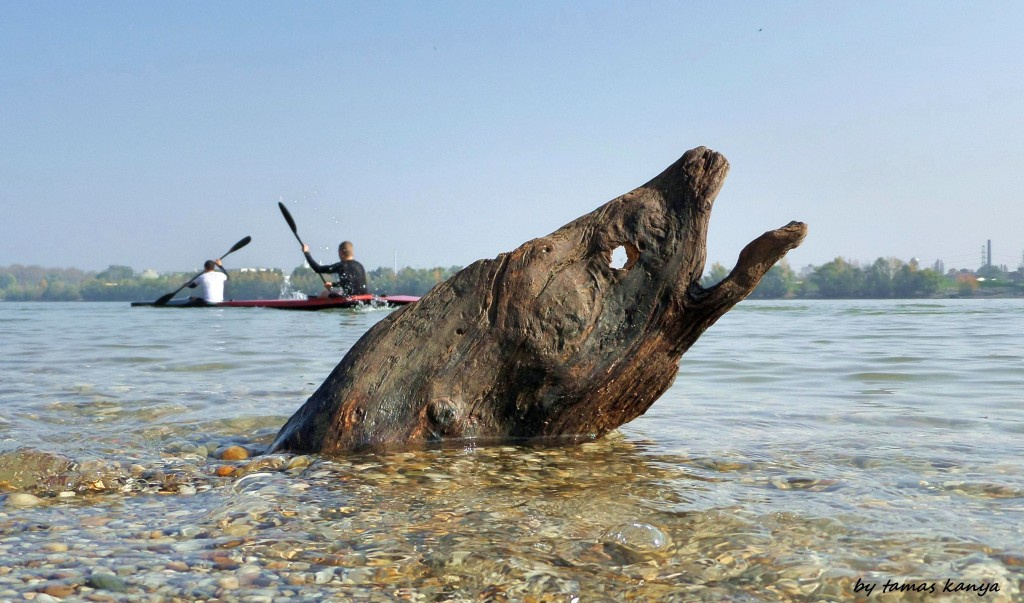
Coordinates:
[157,134]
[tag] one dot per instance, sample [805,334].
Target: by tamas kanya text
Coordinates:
[934,588]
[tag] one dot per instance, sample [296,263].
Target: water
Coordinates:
[809,450]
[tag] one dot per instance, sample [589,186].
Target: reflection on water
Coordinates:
[807,451]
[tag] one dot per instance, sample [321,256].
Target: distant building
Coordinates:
[149,273]
[271,270]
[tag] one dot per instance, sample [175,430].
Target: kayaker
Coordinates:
[212,283]
[351,275]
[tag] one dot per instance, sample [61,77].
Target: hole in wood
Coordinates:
[620,259]
[624,256]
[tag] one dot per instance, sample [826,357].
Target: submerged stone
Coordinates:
[637,536]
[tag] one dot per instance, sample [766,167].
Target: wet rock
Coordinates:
[22,500]
[107,582]
[637,536]
[24,467]
[234,453]
[228,582]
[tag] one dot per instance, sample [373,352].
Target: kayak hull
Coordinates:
[314,303]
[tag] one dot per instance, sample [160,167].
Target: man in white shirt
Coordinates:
[211,283]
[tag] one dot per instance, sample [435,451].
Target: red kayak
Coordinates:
[313,303]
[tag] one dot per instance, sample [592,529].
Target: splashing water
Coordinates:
[287,292]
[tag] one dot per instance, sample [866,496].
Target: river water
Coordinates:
[809,450]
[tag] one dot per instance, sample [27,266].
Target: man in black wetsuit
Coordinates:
[351,275]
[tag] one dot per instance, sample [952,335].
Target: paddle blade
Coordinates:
[162,301]
[288,217]
[240,245]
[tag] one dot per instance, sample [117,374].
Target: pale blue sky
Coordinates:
[156,134]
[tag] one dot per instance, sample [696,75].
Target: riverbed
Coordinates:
[809,450]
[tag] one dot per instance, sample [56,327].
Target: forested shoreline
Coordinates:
[885,278]
[122,283]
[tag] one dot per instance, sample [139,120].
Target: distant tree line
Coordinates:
[382,281]
[122,283]
[840,278]
[885,278]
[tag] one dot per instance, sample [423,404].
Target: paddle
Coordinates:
[295,231]
[166,298]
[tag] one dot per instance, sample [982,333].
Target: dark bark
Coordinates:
[548,340]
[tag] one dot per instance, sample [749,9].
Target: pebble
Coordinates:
[383,523]
[637,536]
[299,462]
[57,589]
[22,500]
[247,572]
[228,582]
[238,529]
[186,546]
[234,453]
[264,463]
[107,582]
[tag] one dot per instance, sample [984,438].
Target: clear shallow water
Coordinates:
[807,451]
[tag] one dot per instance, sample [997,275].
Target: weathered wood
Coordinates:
[548,340]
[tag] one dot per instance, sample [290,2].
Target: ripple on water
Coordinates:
[802,448]
[206,367]
[521,521]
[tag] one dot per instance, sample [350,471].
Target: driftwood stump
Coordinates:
[548,340]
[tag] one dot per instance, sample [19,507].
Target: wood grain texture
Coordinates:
[548,340]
